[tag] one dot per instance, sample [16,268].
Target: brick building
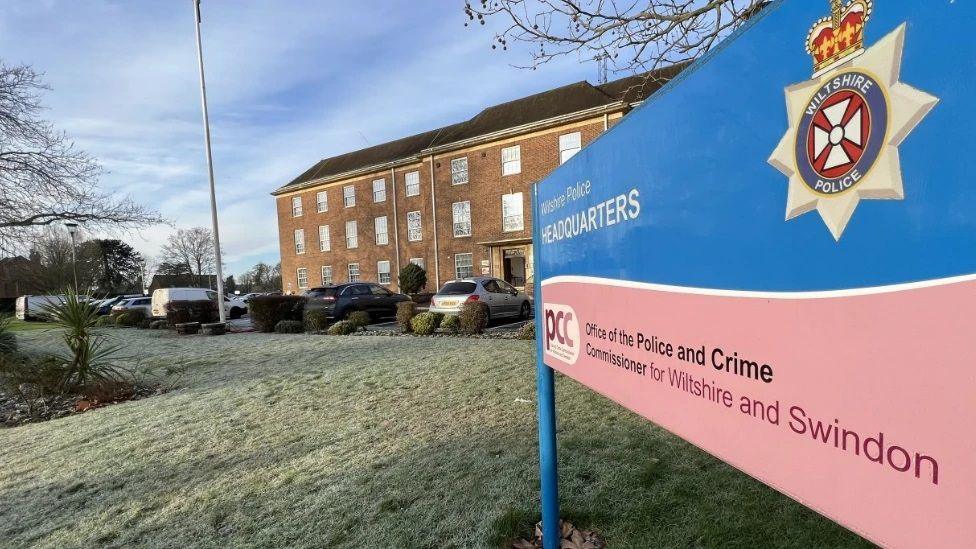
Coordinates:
[455,200]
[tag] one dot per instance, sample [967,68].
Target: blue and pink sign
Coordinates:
[775,259]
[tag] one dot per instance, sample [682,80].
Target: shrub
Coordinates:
[130,318]
[451,324]
[413,278]
[144,324]
[360,319]
[473,317]
[268,310]
[316,320]
[406,310]
[103,321]
[181,312]
[343,327]
[89,361]
[289,327]
[423,324]
[8,341]
[158,325]
[438,319]
[527,331]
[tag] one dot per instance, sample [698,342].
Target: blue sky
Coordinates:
[289,82]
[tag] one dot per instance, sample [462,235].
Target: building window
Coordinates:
[303,278]
[512,160]
[412,183]
[322,201]
[326,275]
[296,206]
[463,266]
[569,145]
[414,230]
[383,272]
[459,171]
[349,196]
[354,272]
[382,236]
[325,239]
[462,219]
[352,238]
[379,190]
[418,261]
[512,219]
[299,241]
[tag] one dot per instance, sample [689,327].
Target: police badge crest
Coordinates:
[847,122]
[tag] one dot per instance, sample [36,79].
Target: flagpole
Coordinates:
[213,194]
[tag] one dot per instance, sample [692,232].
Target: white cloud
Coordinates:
[288,84]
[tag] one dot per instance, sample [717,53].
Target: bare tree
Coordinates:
[631,36]
[192,247]
[44,178]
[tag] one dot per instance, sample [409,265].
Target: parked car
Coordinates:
[141,303]
[502,298]
[341,300]
[247,297]
[105,305]
[233,308]
[31,307]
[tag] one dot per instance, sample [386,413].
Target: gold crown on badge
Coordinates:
[839,38]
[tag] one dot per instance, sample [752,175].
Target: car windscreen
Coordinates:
[458,288]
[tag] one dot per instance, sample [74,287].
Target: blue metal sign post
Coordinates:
[546,396]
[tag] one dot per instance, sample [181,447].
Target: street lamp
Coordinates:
[73,230]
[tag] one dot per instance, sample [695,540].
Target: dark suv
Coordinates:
[340,300]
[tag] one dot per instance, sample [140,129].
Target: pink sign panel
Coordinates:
[856,403]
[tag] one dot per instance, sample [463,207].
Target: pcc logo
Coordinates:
[562,337]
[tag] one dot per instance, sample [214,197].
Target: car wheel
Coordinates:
[525,311]
[235,313]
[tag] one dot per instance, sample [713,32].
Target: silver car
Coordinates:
[502,298]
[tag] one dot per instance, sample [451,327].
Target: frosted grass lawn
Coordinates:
[405,442]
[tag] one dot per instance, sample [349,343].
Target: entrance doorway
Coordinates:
[513,266]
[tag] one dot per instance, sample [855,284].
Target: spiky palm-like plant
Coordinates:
[89,360]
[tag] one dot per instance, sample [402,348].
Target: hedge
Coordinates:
[406,310]
[131,318]
[359,318]
[289,327]
[343,327]
[268,310]
[423,324]
[451,324]
[473,317]
[181,312]
[316,320]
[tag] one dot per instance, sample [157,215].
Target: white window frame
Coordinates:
[415,234]
[352,236]
[380,273]
[419,261]
[322,201]
[512,160]
[302,273]
[411,183]
[296,206]
[349,196]
[459,171]
[458,274]
[383,231]
[569,145]
[462,226]
[349,271]
[379,190]
[325,238]
[299,241]
[326,275]
[509,218]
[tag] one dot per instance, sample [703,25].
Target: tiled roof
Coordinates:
[549,104]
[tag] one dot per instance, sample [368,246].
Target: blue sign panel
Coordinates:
[775,258]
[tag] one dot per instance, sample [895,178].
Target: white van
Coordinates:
[31,307]
[234,308]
